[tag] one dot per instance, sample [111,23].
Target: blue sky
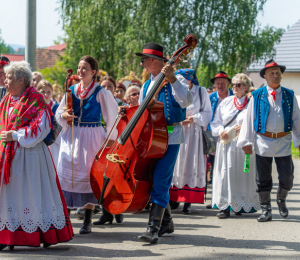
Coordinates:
[278,13]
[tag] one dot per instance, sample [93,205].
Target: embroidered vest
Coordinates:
[90,114]
[174,113]
[262,106]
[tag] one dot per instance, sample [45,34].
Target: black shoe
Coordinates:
[79,213]
[69,212]
[224,213]
[186,208]
[2,247]
[11,248]
[86,228]
[238,213]
[167,225]
[174,205]
[119,218]
[96,210]
[46,245]
[265,203]
[210,181]
[209,206]
[150,236]
[154,223]
[281,198]
[105,217]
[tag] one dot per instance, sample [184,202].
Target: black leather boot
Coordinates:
[79,214]
[96,210]
[186,208]
[86,228]
[105,217]
[2,247]
[281,198]
[265,203]
[155,219]
[119,218]
[69,212]
[224,213]
[167,225]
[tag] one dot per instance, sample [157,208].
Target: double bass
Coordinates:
[121,174]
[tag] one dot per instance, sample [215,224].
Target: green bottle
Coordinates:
[247,163]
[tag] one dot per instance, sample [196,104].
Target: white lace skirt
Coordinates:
[31,199]
[232,187]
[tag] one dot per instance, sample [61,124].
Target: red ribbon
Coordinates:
[155,52]
[271,65]
[221,75]
[3,63]
[273,93]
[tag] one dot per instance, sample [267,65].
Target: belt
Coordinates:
[173,124]
[274,135]
[88,124]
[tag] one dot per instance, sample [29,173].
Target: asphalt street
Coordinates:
[200,235]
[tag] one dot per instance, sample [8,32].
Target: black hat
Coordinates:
[269,64]
[221,74]
[4,61]
[153,50]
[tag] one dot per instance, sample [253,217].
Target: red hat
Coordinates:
[153,50]
[221,74]
[4,61]
[269,64]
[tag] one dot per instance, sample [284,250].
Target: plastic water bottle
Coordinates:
[247,163]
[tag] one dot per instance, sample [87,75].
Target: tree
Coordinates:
[112,31]
[3,47]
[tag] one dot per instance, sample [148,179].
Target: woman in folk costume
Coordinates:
[32,206]
[189,178]
[233,189]
[81,142]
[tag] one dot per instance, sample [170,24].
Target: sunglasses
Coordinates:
[238,85]
[135,94]
[142,59]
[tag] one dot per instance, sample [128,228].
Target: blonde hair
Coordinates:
[244,79]
[127,93]
[44,83]
[37,73]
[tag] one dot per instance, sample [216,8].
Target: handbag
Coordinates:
[51,137]
[209,144]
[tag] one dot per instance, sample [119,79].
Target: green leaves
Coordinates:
[112,31]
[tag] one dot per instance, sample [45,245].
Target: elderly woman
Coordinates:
[233,189]
[132,95]
[32,208]
[189,178]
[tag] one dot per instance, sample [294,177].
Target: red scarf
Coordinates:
[27,112]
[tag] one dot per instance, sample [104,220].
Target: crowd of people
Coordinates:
[48,148]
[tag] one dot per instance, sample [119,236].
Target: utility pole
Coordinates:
[30,47]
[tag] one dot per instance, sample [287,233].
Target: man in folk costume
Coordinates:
[176,97]
[272,114]
[4,61]
[221,81]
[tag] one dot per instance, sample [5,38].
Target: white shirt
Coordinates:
[181,93]
[265,146]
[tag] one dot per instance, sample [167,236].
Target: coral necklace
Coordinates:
[240,106]
[82,93]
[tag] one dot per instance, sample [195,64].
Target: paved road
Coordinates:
[198,236]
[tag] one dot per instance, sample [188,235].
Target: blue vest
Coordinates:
[174,113]
[90,114]
[54,108]
[262,106]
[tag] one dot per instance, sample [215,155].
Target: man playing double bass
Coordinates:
[176,98]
